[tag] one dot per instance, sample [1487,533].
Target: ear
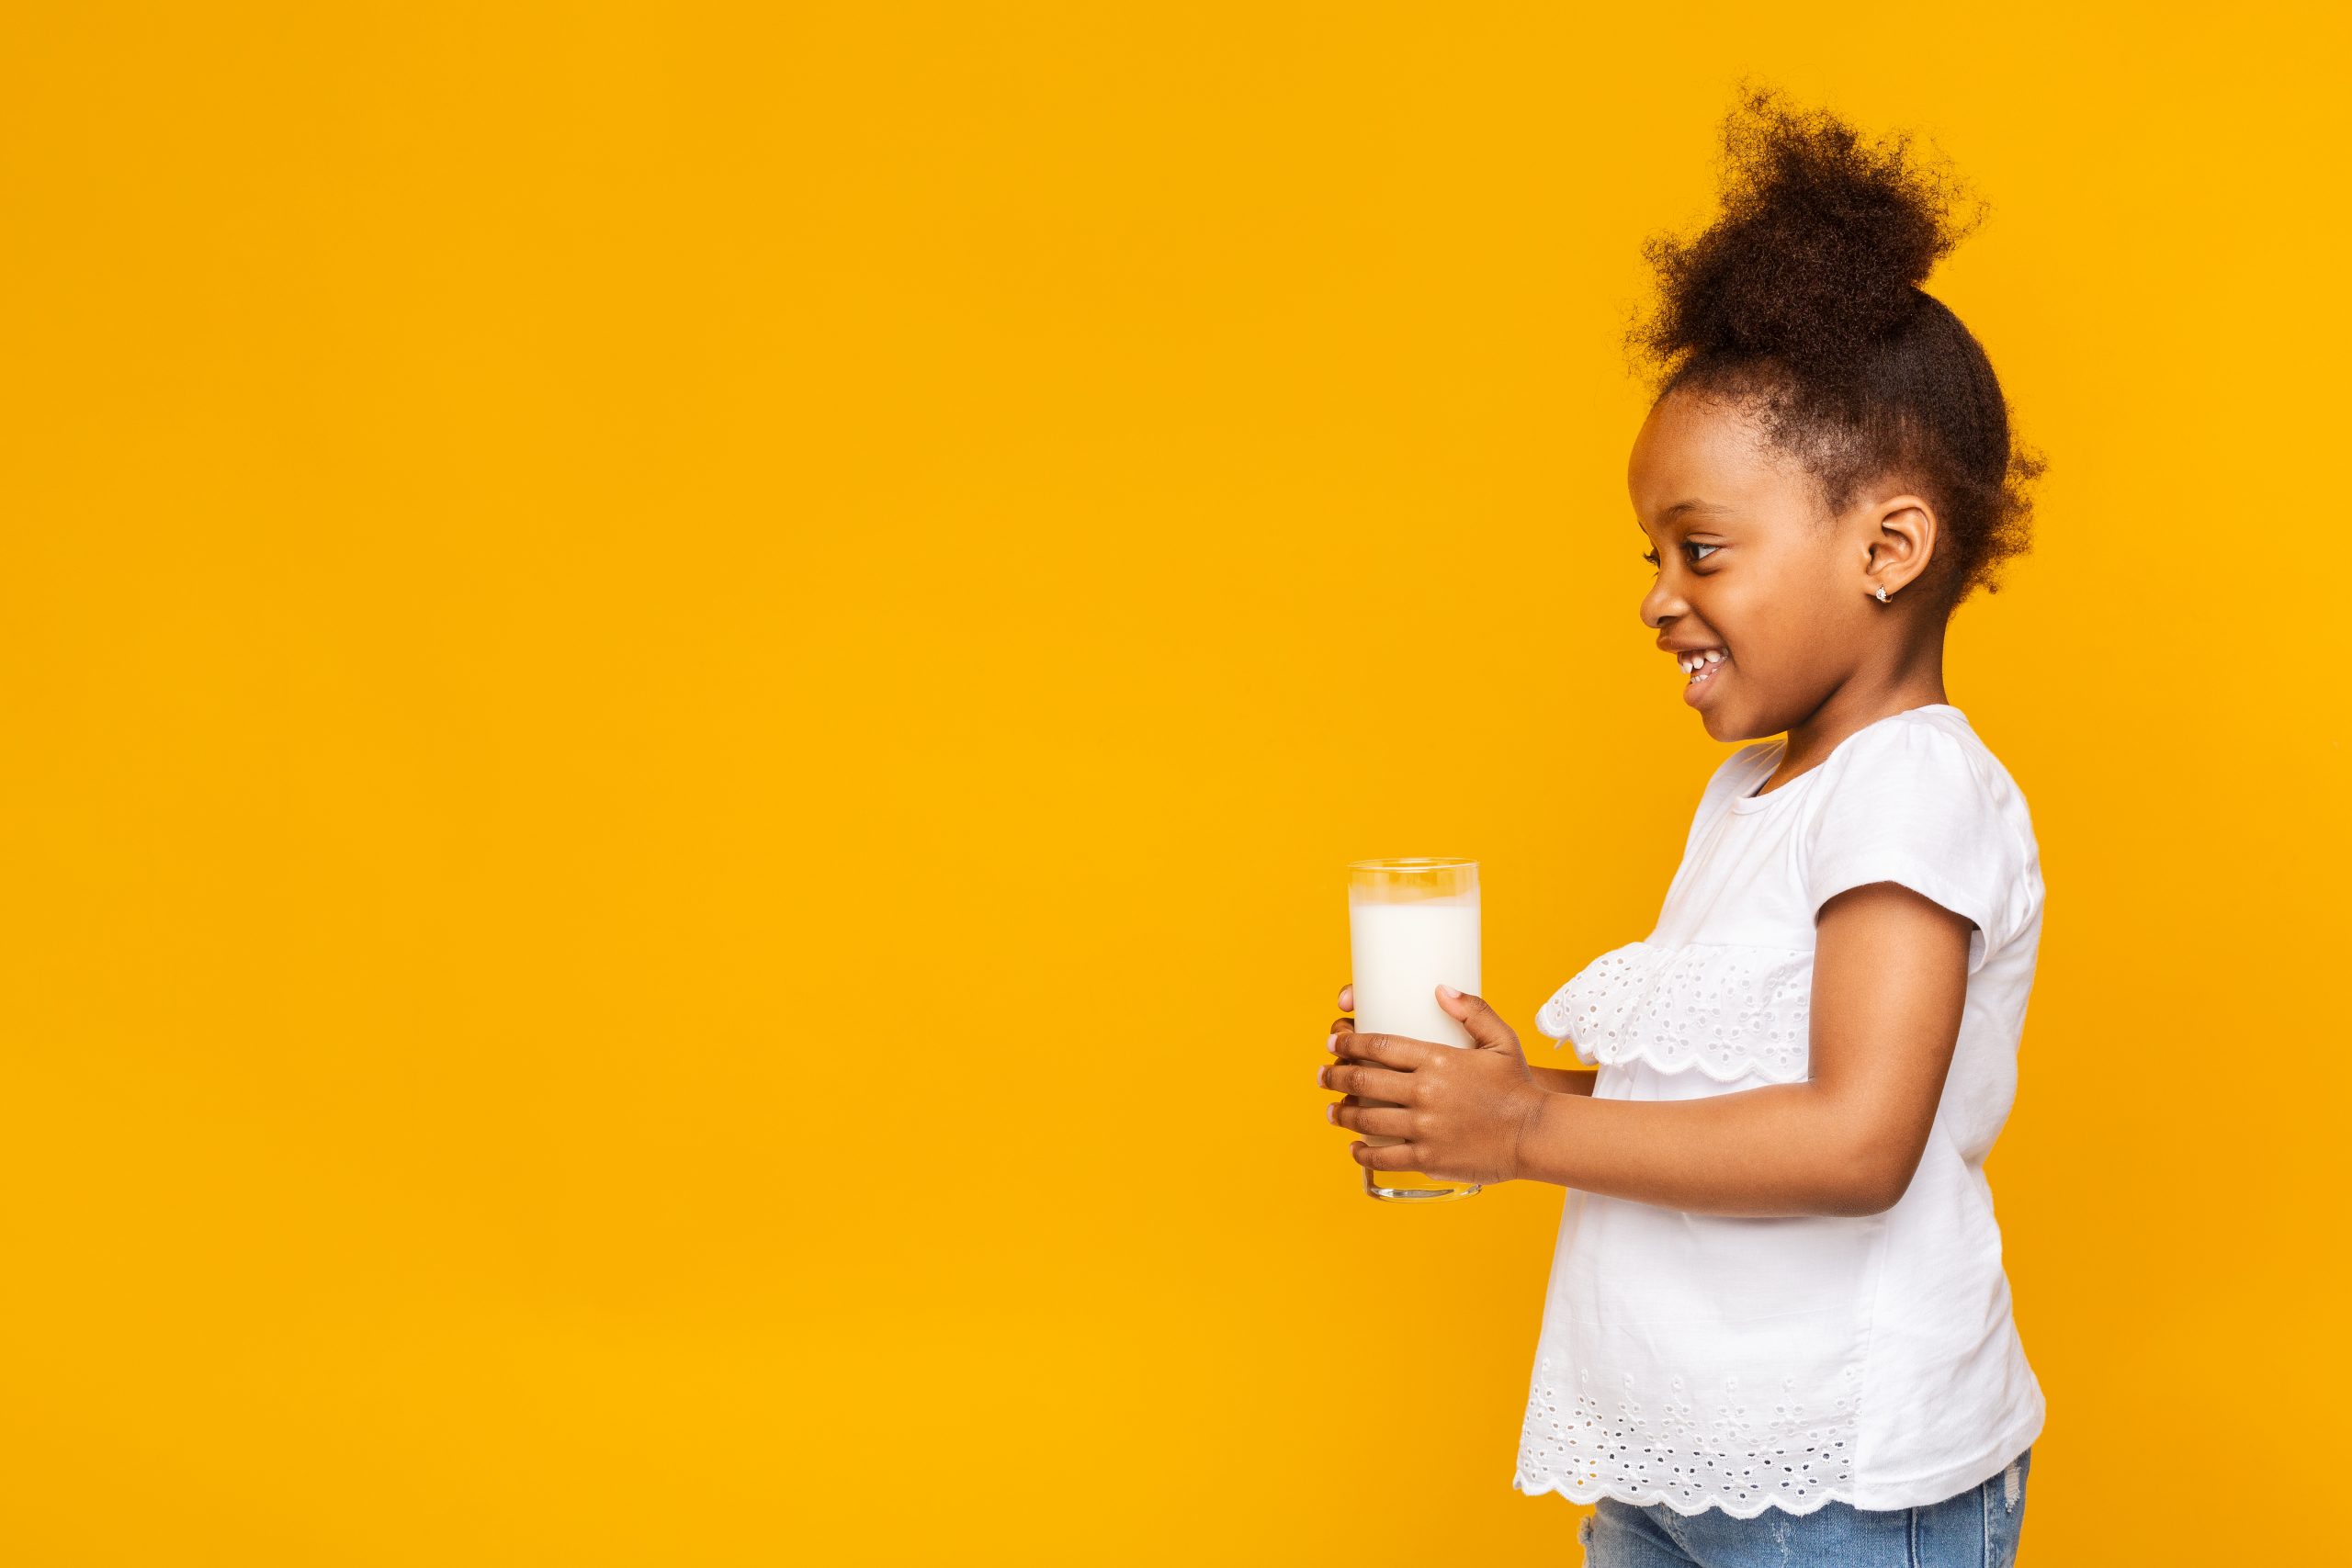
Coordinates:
[1899,539]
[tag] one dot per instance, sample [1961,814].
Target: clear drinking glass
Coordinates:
[1412,925]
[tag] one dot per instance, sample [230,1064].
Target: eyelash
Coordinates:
[1651,556]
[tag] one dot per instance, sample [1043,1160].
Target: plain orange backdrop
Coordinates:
[685,687]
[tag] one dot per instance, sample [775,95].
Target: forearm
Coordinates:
[1565,1080]
[1776,1150]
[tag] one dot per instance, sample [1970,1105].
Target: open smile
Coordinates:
[1706,674]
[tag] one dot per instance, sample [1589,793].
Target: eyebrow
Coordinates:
[1679,507]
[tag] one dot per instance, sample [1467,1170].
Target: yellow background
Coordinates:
[684,689]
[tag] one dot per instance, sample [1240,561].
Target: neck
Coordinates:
[1862,700]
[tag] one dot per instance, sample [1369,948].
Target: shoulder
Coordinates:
[1918,798]
[1928,756]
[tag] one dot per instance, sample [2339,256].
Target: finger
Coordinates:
[1400,1052]
[1382,1121]
[1486,1025]
[1348,998]
[1391,1050]
[1341,1026]
[1370,1082]
[1386,1157]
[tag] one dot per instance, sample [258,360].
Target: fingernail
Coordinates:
[1322,1078]
[1332,1044]
[1331,1111]
[1450,993]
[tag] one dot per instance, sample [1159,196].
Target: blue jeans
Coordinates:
[1978,1528]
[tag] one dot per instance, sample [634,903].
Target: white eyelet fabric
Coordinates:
[1731,1012]
[1742,1450]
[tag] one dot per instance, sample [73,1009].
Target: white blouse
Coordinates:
[1704,1361]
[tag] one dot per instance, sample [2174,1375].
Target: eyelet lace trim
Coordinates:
[1731,1012]
[1729,1450]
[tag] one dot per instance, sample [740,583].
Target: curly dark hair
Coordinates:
[1802,302]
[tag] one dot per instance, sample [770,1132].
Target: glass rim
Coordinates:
[1412,862]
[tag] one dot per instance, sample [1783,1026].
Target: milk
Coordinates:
[1402,951]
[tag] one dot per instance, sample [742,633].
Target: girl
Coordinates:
[1777,1328]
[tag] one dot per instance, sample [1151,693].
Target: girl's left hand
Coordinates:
[1466,1114]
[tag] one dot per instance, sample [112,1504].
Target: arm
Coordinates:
[1890,976]
[1567,1080]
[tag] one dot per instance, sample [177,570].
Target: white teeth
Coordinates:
[1715,655]
[1693,662]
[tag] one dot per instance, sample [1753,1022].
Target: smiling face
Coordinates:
[1749,565]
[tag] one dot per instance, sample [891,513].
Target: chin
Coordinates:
[1727,726]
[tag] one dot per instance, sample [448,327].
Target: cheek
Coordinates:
[1777,609]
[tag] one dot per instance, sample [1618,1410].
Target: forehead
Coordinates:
[1706,449]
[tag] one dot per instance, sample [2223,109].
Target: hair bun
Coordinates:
[1819,252]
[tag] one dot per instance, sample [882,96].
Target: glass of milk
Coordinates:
[1413,925]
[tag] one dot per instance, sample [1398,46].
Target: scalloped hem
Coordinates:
[1596,1491]
[1733,1012]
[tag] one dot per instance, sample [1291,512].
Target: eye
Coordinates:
[1696,547]
[1651,556]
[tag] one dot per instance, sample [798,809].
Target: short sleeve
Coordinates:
[1916,805]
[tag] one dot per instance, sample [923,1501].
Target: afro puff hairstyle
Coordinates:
[1801,302]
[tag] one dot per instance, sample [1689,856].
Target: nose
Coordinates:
[1660,604]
